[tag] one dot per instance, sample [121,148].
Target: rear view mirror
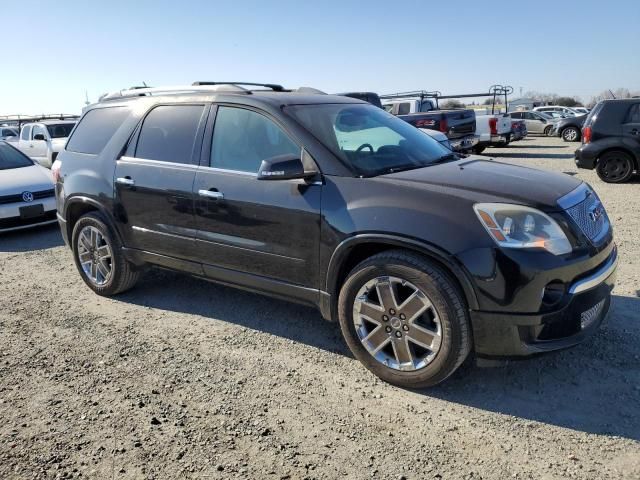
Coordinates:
[283,167]
[38,136]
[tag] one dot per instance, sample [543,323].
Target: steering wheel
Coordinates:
[363,146]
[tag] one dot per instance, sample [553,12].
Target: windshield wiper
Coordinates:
[446,158]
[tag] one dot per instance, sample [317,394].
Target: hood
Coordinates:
[481,180]
[17,180]
[57,144]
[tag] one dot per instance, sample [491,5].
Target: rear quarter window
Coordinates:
[96,129]
[633,116]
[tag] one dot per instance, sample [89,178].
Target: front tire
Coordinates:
[615,167]
[547,130]
[478,150]
[404,319]
[98,256]
[571,134]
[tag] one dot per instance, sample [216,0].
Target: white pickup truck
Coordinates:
[492,130]
[41,141]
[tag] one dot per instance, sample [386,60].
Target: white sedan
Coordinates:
[27,195]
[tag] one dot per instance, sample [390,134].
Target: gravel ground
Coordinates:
[180,378]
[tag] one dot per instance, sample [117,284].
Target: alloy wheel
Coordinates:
[95,255]
[570,135]
[397,323]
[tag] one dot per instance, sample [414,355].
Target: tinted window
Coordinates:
[95,129]
[60,130]
[9,132]
[168,133]
[12,158]
[634,114]
[516,114]
[243,138]
[26,131]
[38,130]
[404,108]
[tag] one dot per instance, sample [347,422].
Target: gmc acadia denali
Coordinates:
[421,256]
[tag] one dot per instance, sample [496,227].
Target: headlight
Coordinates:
[517,226]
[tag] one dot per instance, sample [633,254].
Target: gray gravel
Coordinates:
[180,378]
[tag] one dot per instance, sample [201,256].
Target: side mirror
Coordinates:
[283,167]
[38,136]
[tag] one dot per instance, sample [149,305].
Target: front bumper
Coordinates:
[464,143]
[11,218]
[518,335]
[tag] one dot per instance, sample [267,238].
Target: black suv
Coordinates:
[611,140]
[422,256]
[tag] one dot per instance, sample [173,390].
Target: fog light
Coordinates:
[552,294]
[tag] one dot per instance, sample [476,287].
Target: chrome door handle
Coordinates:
[125,181]
[211,194]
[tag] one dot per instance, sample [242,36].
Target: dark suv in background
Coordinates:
[421,255]
[611,140]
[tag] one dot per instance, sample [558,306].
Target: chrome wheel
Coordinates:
[397,323]
[570,135]
[94,254]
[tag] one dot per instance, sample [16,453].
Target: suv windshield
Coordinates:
[370,140]
[12,158]
[60,130]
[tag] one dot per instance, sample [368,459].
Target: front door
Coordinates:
[38,147]
[249,230]
[154,182]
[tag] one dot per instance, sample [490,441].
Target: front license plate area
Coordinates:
[32,211]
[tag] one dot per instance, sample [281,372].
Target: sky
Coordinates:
[65,48]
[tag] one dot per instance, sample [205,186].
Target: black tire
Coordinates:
[615,167]
[446,299]
[478,150]
[571,134]
[547,130]
[123,275]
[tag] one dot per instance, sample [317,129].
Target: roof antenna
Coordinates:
[86,98]
[145,84]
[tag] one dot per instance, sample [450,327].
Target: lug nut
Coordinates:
[402,316]
[385,318]
[388,329]
[405,328]
[392,311]
[398,334]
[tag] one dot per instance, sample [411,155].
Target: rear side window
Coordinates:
[169,132]
[634,114]
[243,138]
[96,129]
[593,114]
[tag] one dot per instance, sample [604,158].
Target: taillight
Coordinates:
[55,170]
[493,125]
[586,135]
[443,125]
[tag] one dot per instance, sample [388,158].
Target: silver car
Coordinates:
[537,122]
[26,191]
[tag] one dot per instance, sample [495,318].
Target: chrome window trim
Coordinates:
[158,163]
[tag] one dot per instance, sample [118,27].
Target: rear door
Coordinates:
[250,231]
[631,129]
[154,181]
[534,123]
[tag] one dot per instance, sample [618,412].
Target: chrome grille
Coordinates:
[590,216]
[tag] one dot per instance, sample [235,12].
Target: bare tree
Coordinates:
[452,104]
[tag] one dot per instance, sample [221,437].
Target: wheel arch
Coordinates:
[353,250]
[77,206]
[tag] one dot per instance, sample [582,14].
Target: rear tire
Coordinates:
[97,253]
[423,337]
[615,167]
[571,134]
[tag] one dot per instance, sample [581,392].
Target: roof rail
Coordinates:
[21,119]
[416,93]
[273,86]
[150,91]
